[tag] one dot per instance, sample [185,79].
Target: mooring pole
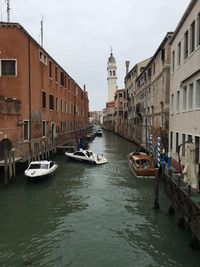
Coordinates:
[5,167]
[156,200]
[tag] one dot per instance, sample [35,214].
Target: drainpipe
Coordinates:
[29,93]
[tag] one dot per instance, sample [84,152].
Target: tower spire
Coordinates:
[111,50]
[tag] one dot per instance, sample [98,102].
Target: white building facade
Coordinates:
[184,118]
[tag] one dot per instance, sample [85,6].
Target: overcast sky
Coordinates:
[78,34]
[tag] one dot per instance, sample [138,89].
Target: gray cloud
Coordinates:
[79,34]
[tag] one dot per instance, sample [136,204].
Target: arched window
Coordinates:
[113,73]
[110,73]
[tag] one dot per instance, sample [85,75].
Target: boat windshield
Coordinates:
[34,166]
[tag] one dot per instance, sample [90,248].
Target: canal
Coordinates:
[90,216]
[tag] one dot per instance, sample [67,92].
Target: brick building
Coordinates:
[38,98]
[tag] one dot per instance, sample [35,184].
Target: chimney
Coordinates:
[127,66]
[84,87]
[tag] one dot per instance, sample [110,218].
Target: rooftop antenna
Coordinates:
[8,10]
[42,32]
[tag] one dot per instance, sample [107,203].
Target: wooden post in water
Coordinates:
[156,200]
[13,161]
[5,167]
[10,166]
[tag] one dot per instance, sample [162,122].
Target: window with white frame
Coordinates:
[56,104]
[177,141]
[186,45]
[43,128]
[43,58]
[197,144]
[173,61]
[171,140]
[190,96]
[26,130]
[8,67]
[179,54]
[184,97]
[192,37]
[178,101]
[198,29]
[197,94]
[172,103]
[183,146]
[61,105]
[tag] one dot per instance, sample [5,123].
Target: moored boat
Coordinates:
[141,165]
[99,132]
[40,169]
[86,156]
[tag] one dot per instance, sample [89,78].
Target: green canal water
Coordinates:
[90,216]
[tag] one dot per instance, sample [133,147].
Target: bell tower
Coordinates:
[112,77]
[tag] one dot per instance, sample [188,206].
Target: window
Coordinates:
[198,29]
[51,102]
[50,69]
[186,45]
[7,67]
[43,99]
[173,61]
[190,137]
[179,53]
[171,140]
[61,105]
[172,103]
[178,101]
[198,93]
[43,128]
[192,37]
[56,73]
[26,130]
[62,78]
[184,97]
[183,146]
[113,73]
[197,144]
[43,57]
[154,68]
[177,137]
[163,54]
[56,104]
[190,96]
[65,107]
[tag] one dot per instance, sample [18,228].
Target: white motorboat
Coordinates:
[40,169]
[86,156]
[99,132]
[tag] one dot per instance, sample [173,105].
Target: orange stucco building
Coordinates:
[38,98]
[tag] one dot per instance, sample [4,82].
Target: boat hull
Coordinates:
[35,175]
[149,173]
[141,165]
[97,160]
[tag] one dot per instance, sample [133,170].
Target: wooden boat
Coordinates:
[40,169]
[141,165]
[86,156]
